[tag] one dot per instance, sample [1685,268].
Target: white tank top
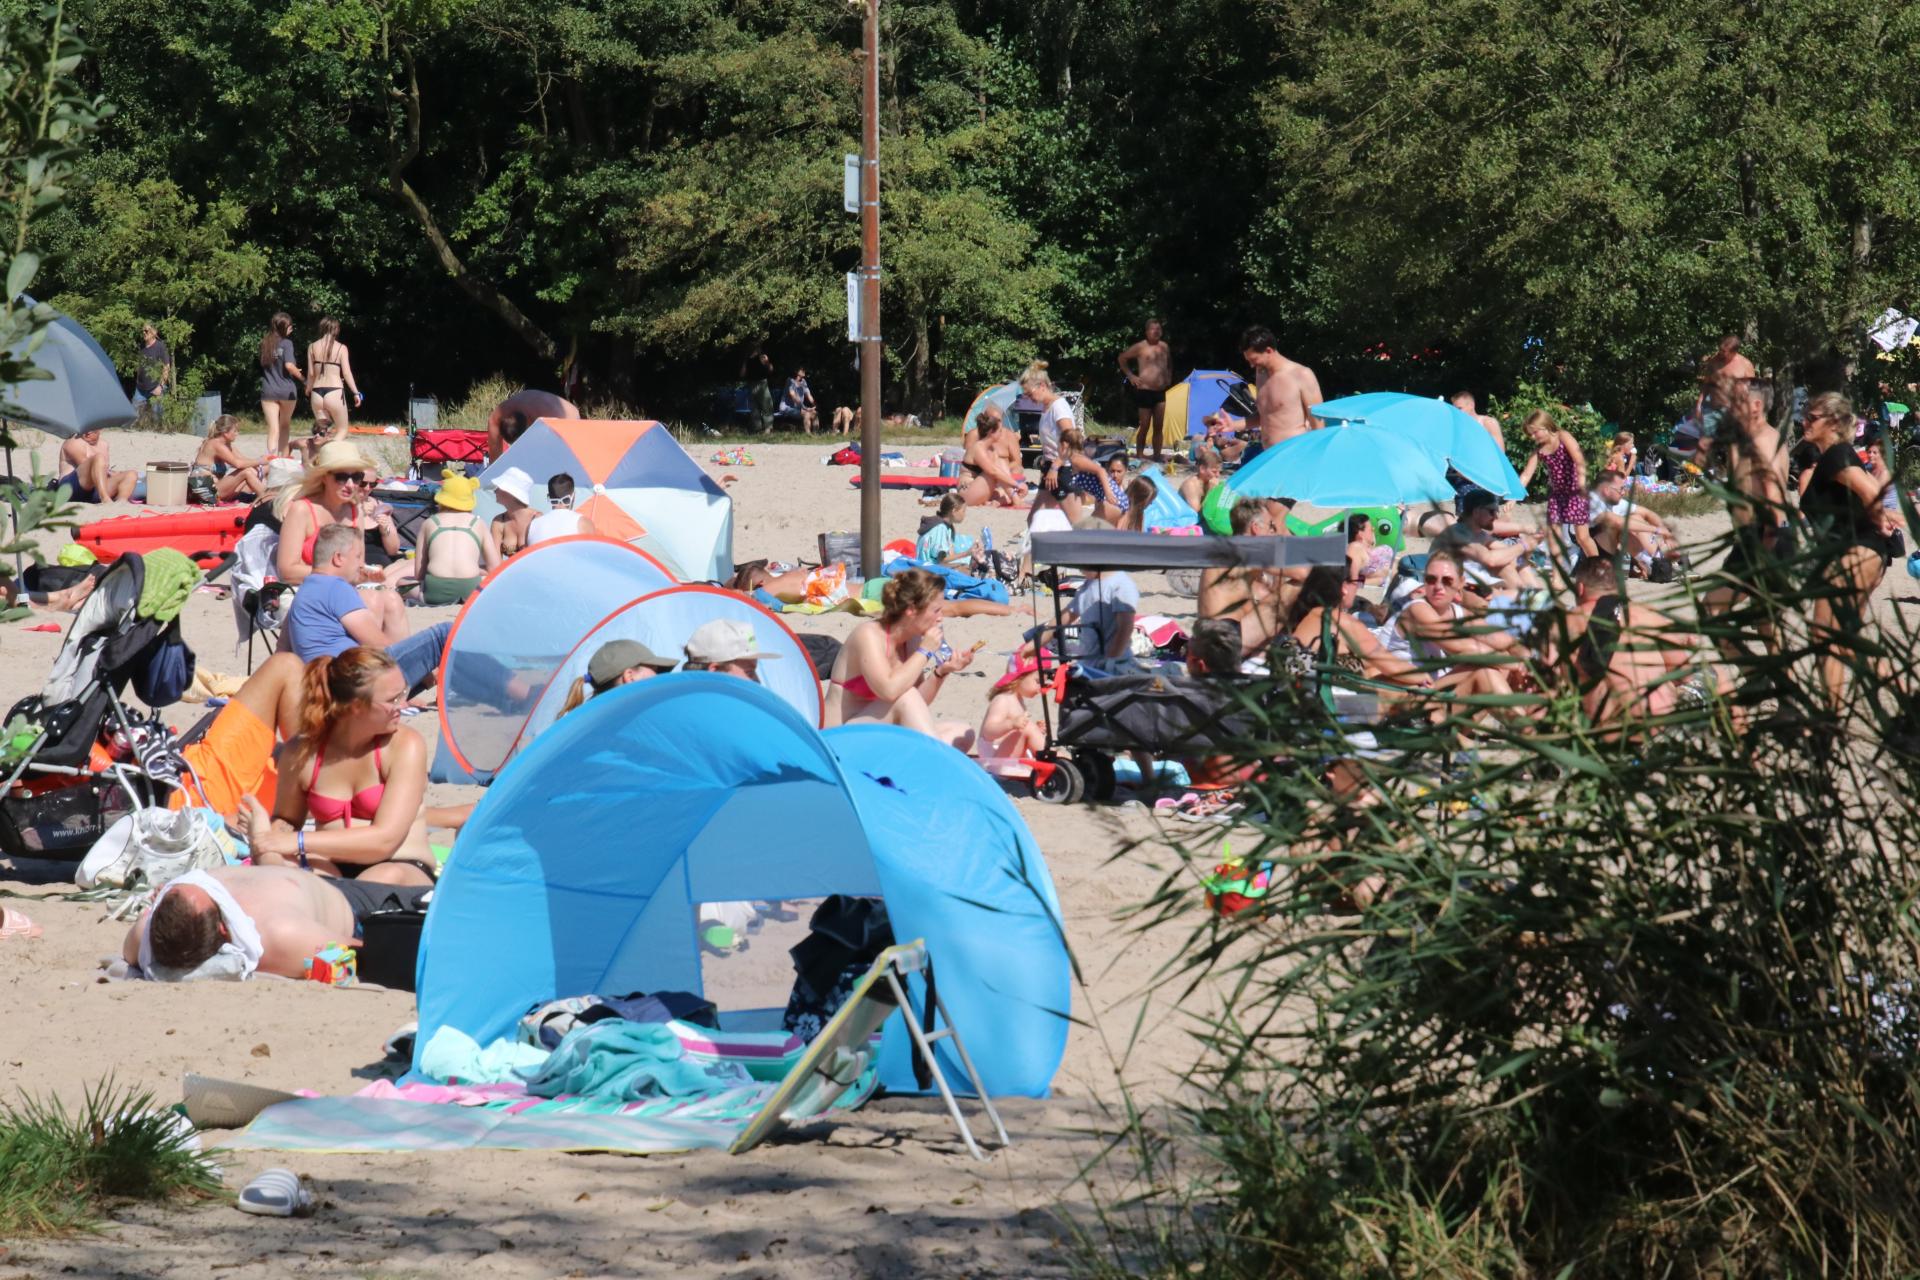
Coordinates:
[554,524]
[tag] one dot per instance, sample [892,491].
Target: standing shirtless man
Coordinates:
[1148,367]
[1757,470]
[1287,389]
[1727,361]
[1463,401]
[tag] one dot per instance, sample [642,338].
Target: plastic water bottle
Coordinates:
[986,537]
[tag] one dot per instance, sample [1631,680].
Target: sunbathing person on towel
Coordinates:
[275,919]
[357,772]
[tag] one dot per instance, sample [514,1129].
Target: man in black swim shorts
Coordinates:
[293,914]
[1148,368]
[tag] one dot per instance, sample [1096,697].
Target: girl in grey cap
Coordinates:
[616,662]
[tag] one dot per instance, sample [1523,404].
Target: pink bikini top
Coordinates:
[324,809]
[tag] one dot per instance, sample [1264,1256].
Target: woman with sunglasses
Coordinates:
[1852,533]
[329,493]
[1323,623]
[1434,627]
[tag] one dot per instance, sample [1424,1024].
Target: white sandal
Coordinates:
[277,1193]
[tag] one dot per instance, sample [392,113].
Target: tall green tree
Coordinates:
[1595,191]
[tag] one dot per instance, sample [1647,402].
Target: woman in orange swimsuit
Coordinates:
[890,668]
[357,772]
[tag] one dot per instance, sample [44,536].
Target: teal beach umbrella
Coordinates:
[1344,465]
[1450,437]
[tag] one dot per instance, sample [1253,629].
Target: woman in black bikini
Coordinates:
[1852,534]
[330,380]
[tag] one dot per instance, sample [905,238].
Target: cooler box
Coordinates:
[167,484]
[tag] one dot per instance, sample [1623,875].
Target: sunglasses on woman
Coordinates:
[1433,581]
[349,477]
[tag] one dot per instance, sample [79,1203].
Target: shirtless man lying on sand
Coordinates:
[295,912]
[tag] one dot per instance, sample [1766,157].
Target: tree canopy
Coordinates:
[1419,194]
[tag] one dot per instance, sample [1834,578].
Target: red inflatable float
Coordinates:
[205,535]
[910,482]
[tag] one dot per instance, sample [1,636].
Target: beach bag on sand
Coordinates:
[154,845]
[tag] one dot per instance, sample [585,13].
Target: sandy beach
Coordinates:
[885,1192]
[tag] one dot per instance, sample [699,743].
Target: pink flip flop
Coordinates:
[14,924]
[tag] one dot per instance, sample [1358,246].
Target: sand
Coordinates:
[888,1191]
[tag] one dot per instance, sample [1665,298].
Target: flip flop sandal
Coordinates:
[15,924]
[277,1193]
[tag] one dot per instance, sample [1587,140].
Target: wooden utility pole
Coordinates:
[870,298]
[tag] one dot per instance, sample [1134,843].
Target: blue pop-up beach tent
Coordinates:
[1200,393]
[582,869]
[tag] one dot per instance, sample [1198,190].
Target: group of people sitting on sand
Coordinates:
[312,764]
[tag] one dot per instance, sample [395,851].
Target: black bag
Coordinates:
[167,673]
[63,823]
[390,948]
[201,489]
[1155,713]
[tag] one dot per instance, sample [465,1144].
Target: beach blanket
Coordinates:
[366,1124]
[960,586]
[629,1061]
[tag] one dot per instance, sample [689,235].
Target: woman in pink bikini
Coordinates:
[891,668]
[357,772]
[329,493]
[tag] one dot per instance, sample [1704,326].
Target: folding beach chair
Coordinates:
[845,1046]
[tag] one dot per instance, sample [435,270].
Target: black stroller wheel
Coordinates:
[1065,785]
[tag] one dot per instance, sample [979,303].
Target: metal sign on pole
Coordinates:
[853,306]
[850,183]
[869,328]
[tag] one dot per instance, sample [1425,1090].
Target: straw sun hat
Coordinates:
[335,455]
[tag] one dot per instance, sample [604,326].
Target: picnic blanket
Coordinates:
[371,1124]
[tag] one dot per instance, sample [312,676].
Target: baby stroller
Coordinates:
[84,759]
[1095,717]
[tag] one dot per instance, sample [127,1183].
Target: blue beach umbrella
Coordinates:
[1003,396]
[1344,466]
[1450,437]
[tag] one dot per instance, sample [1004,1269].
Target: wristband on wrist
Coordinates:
[300,843]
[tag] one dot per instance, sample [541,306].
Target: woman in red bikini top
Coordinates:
[357,772]
[889,670]
[329,493]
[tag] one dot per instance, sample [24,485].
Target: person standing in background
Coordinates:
[330,378]
[1287,390]
[278,374]
[1464,402]
[1148,367]
[757,374]
[154,377]
[511,418]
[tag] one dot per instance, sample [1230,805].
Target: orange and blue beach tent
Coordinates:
[636,484]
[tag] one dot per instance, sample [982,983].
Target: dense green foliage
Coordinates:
[1543,998]
[45,117]
[1415,195]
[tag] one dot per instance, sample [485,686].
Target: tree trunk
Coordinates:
[918,364]
[401,150]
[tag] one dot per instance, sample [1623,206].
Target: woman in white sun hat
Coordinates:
[514,488]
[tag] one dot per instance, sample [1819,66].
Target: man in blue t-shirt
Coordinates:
[330,616]
[1105,607]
